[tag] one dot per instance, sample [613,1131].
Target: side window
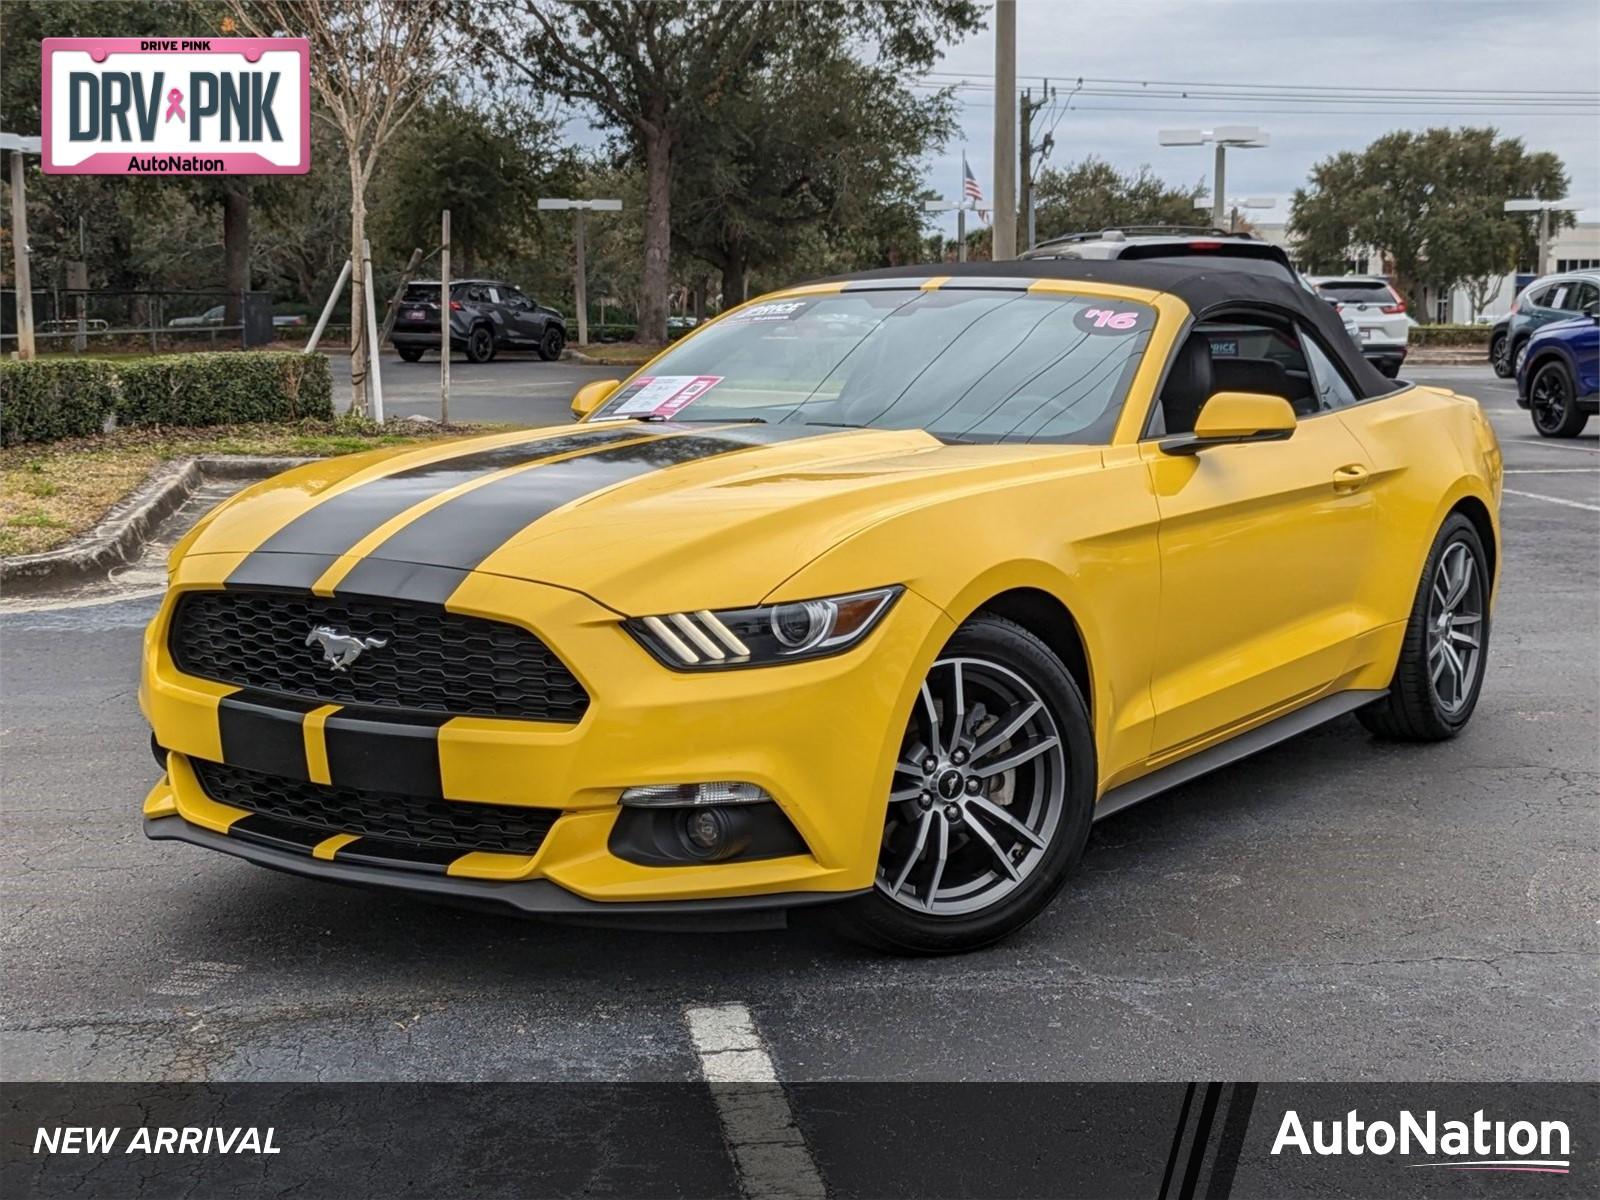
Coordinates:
[1330,387]
[1556,297]
[492,295]
[514,298]
[1541,298]
[1576,297]
[1588,294]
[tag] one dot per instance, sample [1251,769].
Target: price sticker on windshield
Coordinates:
[664,396]
[1108,320]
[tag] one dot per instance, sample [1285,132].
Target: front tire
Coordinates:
[1500,355]
[1446,645]
[551,344]
[1553,403]
[992,797]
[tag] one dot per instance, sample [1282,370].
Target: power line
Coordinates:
[1271,87]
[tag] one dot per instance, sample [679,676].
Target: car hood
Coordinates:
[641,517]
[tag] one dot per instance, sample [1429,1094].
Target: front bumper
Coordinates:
[821,737]
[526,898]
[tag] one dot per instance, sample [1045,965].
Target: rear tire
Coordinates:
[551,344]
[1445,650]
[480,344]
[977,845]
[410,353]
[1553,403]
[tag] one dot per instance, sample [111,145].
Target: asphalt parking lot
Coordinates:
[1336,908]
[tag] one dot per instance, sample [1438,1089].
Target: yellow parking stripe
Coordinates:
[347,561]
[934,284]
[328,847]
[317,744]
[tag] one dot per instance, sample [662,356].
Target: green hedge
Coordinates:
[1451,335]
[225,388]
[56,398]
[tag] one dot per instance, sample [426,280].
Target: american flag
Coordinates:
[970,190]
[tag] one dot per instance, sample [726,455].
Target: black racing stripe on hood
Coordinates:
[338,523]
[460,534]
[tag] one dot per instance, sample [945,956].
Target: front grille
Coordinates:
[435,661]
[440,824]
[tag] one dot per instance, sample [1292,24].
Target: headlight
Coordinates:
[762,636]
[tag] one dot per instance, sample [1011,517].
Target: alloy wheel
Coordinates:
[1455,627]
[979,790]
[1548,400]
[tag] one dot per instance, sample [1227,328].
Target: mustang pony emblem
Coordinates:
[341,649]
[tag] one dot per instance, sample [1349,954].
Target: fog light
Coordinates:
[690,795]
[712,834]
[704,828]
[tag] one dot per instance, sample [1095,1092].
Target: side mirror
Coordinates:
[592,395]
[1229,418]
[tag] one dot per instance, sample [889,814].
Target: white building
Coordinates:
[1572,249]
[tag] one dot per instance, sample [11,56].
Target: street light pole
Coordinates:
[1243,136]
[1544,208]
[580,271]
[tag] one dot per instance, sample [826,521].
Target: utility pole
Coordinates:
[1025,159]
[580,273]
[444,317]
[18,146]
[1004,245]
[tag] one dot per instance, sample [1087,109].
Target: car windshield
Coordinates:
[965,364]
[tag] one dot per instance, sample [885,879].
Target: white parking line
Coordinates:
[1547,444]
[1552,470]
[769,1153]
[1553,500]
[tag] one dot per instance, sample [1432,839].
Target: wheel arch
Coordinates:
[1051,621]
[1476,511]
[1543,357]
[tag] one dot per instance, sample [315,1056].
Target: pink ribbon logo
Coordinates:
[175,105]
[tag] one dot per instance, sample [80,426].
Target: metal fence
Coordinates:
[91,320]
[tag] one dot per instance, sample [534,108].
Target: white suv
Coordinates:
[1378,311]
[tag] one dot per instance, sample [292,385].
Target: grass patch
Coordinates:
[52,492]
[622,354]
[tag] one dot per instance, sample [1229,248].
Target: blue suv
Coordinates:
[1558,379]
[1553,298]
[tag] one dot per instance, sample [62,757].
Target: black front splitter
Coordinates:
[525,897]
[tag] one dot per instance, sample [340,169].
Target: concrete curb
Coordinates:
[123,532]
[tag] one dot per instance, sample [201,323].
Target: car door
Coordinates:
[1257,543]
[523,317]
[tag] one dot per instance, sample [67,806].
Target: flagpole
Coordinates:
[961,213]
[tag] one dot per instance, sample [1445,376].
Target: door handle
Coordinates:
[1350,477]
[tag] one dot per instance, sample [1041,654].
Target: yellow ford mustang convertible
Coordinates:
[875,591]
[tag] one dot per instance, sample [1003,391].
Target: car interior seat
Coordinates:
[1189,385]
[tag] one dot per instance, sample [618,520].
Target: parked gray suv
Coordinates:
[486,316]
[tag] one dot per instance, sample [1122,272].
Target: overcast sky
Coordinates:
[1502,51]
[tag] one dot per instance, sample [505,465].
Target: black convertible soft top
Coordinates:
[1204,284]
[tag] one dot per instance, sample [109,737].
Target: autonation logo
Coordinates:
[1476,1145]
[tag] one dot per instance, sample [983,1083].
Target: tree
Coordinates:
[1430,202]
[654,73]
[372,63]
[486,171]
[815,141]
[1093,194]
